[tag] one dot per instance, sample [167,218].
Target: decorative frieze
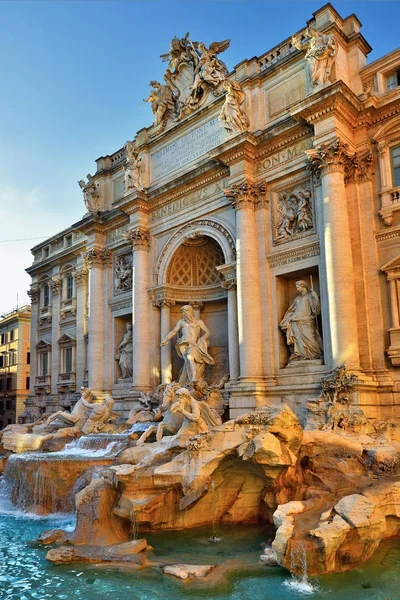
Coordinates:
[246,194]
[138,238]
[97,258]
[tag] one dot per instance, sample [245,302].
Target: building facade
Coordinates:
[284,170]
[15,330]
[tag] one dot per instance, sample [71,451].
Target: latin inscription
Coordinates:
[190,199]
[187,149]
[284,156]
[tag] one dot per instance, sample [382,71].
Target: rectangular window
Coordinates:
[68,360]
[28,358]
[27,383]
[3,338]
[393,80]
[395,155]
[2,365]
[13,358]
[1,385]
[70,287]
[46,251]
[68,240]
[45,363]
[9,383]
[12,335]
[46,295]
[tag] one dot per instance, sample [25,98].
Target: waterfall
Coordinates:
[298,567]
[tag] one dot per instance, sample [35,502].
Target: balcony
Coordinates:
[66,380]
[390,204]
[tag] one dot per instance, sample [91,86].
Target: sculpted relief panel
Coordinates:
[293,214]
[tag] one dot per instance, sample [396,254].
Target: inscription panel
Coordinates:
[187,149]
[285,155]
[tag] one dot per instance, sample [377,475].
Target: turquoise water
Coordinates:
[25,573]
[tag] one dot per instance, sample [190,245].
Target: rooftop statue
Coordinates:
[90,193]
[210,70]
[164,100]
[300,325]
[321,54]
[191,346]
[181,51]
[232,116]
[133,168]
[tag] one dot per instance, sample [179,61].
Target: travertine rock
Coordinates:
[183,571]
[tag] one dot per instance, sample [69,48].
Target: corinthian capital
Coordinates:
[138,238]
[331,157]
[80,276]
[55,285]
[34,293]
[97,257]
[246,194]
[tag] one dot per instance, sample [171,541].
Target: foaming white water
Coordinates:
[301,586]
[73,449]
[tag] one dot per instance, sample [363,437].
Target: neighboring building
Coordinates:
[285,169]
[15,329]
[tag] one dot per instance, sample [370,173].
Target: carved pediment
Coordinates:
[392,267]
[43,345]
[66,339]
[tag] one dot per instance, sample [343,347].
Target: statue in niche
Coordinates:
[300,325]
[123,275]
[191,346]
[125,353]
[232,116]
[90,193]
[133,169]
[163,99]
[321,54]
[210,70]
[295,213]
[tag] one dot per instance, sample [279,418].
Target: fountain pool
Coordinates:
[25,574]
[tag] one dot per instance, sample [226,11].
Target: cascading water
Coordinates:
[214,538]
[299,581]
[47,482]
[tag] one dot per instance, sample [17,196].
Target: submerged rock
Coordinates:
[183,571]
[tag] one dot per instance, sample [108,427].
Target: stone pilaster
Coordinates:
[55,285]
[96,260]
[331,160]
[245,197]
[81,278]
[34,294]
[139,239]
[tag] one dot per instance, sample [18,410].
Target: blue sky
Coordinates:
[74,73]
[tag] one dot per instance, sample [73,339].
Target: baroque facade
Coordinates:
[268,199]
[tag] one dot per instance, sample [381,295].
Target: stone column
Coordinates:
[331,160]
[96,260]
[155,325]
[80,276]
[141,334]
[394,302]
[230,285]
[166,358]
[244,198]
[55,285]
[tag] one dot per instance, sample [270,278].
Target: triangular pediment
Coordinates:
[392,265]
[43,345]
[66,339]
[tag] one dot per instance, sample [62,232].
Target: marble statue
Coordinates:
[76,418]
[210,70]
[149,404]
[304,217]
[232,116]
[99,414]
[125,353]
[300,325]
[163,99]
[191,346]
[181,51]
[90,193]
[123,275]
[133,168]
[321,54]
[198,417]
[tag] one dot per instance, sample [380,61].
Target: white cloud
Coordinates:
[23,214]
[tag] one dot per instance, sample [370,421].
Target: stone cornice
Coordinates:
[388,235]
[240,147]
[294,254]
[247,194]
[283,140]
[138,238]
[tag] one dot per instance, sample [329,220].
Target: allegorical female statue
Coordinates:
[300,325]
[232,116]
[125,353]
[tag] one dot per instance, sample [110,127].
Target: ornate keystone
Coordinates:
[138,238]
[246,194]
[97,257]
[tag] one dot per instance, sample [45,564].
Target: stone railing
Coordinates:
[42,382]
[66,379]
[395,195]
[117,157]
[274,56]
